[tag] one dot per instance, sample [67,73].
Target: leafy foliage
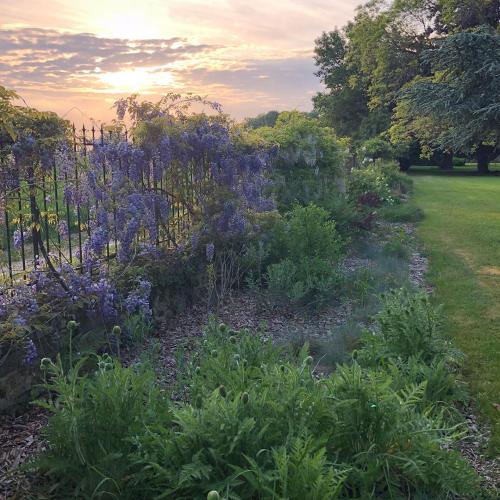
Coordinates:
[263,120]
[378,183]
[376,148]
[460,100]
[259,424]
[402,212]
[369,180]
[308,157]
[409,325]
[7,112]
[94,420]
[365,64]
[307,273]
[398,245]
[388,46]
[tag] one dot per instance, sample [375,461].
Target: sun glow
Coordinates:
[136,80]
[130,25]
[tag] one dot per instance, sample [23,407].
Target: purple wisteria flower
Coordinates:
[137,300]
[19,237]
[62,227]
[192,173]
[209,251]
[30,352]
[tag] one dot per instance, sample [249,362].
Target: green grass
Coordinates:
[461,236]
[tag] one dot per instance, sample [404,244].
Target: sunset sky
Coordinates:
[251,56]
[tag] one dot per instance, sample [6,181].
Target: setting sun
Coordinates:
[137,80]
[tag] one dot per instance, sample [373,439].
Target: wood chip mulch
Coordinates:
[474,448]
[20,441]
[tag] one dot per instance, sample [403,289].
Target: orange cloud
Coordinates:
[250,56]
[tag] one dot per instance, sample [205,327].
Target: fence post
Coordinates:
[7,229]
[35,215]
[78,213]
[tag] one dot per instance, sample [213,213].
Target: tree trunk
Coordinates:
[404,164]
[446,161]
[38,245]
[443,159]
[484,155]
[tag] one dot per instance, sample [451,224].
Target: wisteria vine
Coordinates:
[131,190]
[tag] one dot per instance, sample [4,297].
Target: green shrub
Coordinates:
[408,326]
[301,187]
[308,272]
[311,233]
[307,160]
[359,437]
[312,282]
[376,148]
[394,451]
[94,420]
[369,180]
[381,180]
[443,386]
[304,472]
[458,162]
[408,345]
[401,212]
[348,219]
[252,411]
[259,425]
[398,181]
[230,358]
[398,246]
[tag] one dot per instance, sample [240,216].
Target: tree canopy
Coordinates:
[263,120]
[408,70]
[458,107]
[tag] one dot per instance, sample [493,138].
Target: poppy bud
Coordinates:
[45,364]
[72,325]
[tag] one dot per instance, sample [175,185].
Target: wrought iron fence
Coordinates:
[63,227]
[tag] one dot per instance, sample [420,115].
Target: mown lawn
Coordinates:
[461,236]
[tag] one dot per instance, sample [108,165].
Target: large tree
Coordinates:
[263,120]
[461,100]
[364,65]
[344,105]
[452,16]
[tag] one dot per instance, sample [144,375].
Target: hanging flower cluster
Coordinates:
[195,163]
[138,299]
[178,168]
